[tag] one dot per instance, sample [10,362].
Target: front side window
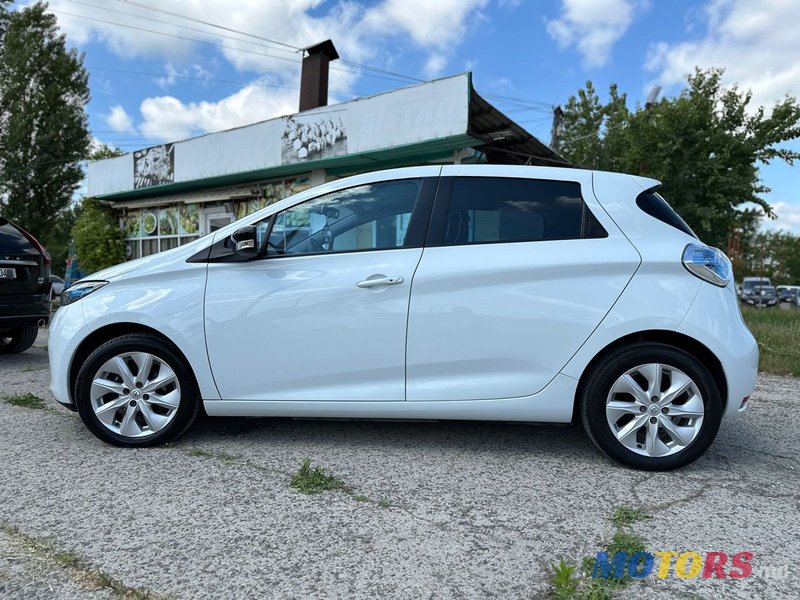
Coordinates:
[366,217]
[490,209]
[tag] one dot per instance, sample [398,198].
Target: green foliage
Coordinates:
[98,238]
[105,151]
[705,145]
[27,400]
[772,254]
[565,584]
[625,515]
[44,134]
[777,331]
[316,480]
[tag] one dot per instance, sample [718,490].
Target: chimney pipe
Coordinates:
[314,77]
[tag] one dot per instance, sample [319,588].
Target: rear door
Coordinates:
[515,276]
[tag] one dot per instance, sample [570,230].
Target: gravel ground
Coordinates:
[476,509]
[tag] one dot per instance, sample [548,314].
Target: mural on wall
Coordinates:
[271,193]
[154,166]
[312,137]
[183,220]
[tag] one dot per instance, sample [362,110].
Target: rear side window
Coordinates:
[491,209]
[655,206]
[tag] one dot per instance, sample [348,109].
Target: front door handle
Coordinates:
[379,280]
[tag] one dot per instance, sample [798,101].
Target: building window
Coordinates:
[151,230]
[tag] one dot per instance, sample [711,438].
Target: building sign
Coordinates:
[434,113]
[154,166]
[313,137]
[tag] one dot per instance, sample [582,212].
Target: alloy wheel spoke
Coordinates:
[154,421]
[105,386]
[652,373]
[651,438]
[121,368]
[144,363]
[628,385]
[679,384]
[170,400]
[691,409]
[128,425]
[165,377]
[680,435]
[630,427]
[620,408]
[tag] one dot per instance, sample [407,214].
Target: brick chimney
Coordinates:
[314,77]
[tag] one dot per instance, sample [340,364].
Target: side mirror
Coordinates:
[244,242]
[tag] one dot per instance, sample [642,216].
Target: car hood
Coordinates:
[140,265]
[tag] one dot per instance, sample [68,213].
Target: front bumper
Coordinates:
[62,342]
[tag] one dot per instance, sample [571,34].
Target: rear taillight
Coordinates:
[707,263]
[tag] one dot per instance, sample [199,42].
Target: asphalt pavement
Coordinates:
[433,510]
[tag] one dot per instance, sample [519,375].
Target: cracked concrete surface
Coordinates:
[478,509]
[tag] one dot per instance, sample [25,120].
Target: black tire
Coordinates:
[18,340]
[190,403]
[596,387]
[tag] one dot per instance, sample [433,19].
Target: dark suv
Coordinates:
[24,288]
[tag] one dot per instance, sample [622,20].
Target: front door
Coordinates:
[323,316]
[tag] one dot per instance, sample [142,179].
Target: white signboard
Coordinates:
[430,111]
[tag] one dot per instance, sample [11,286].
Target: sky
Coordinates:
[210,66]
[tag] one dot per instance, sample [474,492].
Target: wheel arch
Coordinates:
[108,332]
[671,338]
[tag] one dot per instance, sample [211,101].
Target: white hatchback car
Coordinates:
[456,292]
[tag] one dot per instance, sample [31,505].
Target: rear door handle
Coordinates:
[379,281]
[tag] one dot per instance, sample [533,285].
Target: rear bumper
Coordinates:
[18,311]
[716,321]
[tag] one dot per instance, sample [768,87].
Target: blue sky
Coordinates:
[148,88]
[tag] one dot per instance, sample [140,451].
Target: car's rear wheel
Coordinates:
[18,340]
[651,406]
[136,390]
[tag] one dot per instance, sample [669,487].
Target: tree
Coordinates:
[705,145]
[44,134]
[98,237]
[105,151]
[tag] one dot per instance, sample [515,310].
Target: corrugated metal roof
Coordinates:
[506,142]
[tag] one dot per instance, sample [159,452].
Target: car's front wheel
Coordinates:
[18,340]
[651,406]
[136,390]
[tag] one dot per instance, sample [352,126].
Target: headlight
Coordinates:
[709,264]
[79,290]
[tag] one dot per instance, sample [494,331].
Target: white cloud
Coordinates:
[119,120]
[166,117]
[435,64]
[788,218]
[755,42]
[593,26]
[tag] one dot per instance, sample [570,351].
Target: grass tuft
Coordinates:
[384,503]
[625,515]
[315,480]
[27,400]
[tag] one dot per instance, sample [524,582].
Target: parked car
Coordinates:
[24,288]
[748,283]
[761,296]
[459,292]
[787,293]
[58,285]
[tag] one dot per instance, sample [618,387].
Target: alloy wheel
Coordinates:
[135,394]
[655,410]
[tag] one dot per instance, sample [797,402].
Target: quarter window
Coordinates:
[367,217]
[490,209]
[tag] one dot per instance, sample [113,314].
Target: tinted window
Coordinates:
[489,209]
[655,206]
[12,241]
[367,217]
